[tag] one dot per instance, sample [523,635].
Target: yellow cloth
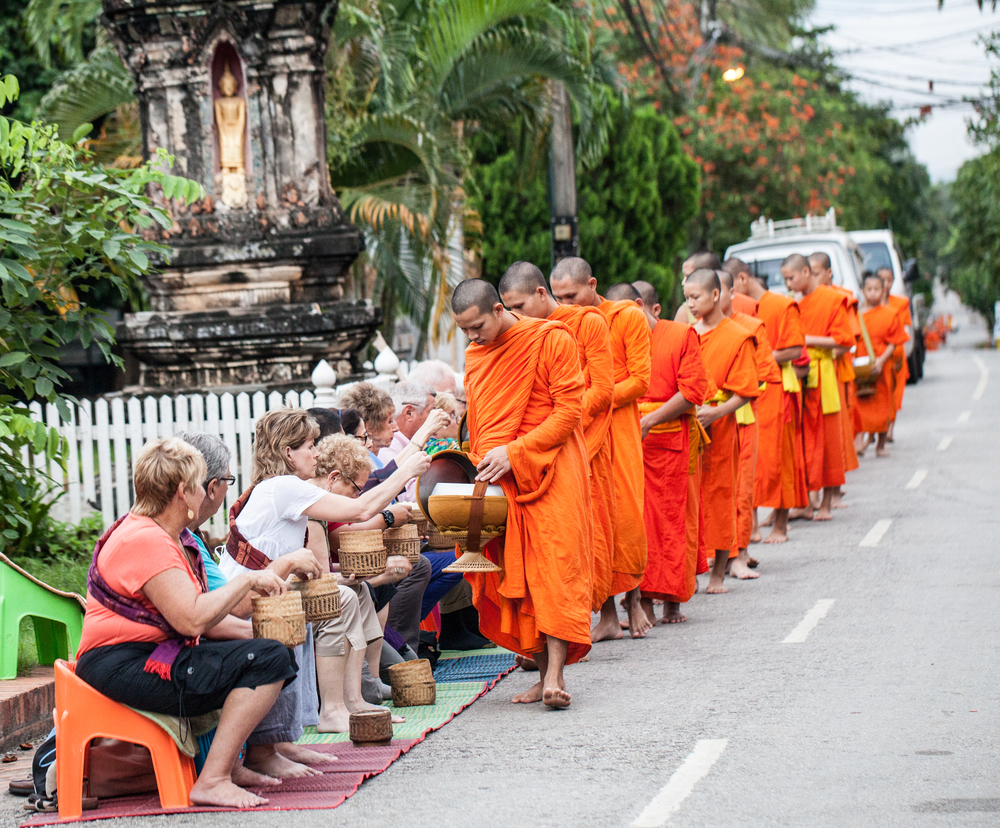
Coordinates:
[789,379]
[669,427]
[825,380]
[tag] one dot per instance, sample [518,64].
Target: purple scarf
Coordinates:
[162,658]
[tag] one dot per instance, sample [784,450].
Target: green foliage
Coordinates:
[67,226]
[975,237]
[634,206]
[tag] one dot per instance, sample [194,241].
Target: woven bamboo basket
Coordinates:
[420,520]
[362,553]
[279,617]
[371,727]
[412,683]
[320,598]
[403,540]
[440,541]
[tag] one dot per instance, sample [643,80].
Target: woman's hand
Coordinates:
[396,568]
[416,465]
[267,582]
[402,512]
[303,563]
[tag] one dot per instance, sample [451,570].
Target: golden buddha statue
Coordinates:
[230,120]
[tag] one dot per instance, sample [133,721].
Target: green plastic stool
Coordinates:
[57,616]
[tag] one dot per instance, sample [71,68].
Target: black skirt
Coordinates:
[200,680]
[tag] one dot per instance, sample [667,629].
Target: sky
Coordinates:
[892,48]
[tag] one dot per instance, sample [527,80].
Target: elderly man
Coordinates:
[412,403]
[435,373]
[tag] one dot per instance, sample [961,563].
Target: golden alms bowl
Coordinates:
[445,495]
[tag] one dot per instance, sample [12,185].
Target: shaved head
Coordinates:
[820,260]
[522,278]
[474,293]
[573,268]
[622,291]
[794,261]
[702,259]
[648,293]
[736,266]
[725,277]
[706,278]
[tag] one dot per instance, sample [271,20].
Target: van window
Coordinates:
[771,268]
[876,255]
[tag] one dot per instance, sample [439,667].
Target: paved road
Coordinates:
[885,715]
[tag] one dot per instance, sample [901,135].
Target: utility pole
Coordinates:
[562,178]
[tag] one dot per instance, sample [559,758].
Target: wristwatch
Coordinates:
[389,518]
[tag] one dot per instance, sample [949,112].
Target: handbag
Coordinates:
[865,379]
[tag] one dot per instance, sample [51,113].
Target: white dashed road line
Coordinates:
[808,624]
[668,801]
[984,376]
[918,477]
[876,533]
[964,416]
[945,442]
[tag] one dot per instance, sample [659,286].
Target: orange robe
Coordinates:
[670,507]
[744,304]
[780,480]
[824,313]
[884,327]
[590,327]
[630,337]
[900,367]
[845,374]
[747,433]
[525,392]
[728,352]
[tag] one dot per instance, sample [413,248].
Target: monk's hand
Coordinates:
[494,465]
[707,415]
[267,582]
[644,427]
[435,421]
[304,564]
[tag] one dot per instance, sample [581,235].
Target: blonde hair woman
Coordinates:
[148,606]
[269,521]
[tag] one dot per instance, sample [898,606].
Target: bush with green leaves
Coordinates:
[68,226]
[634,205]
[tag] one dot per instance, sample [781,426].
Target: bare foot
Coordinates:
[715,586]
[556,698]
[769,520]
[302,754]
[879,452]
[638,622]
[529,696]
[274,764]
[838,500]
[224,794]
[823,514]
[740,570]
[755,536]
[526,663]
[672,613]
[801,514]
[610,630]
[364,706]
[334,720]
[246,778]
[776,537]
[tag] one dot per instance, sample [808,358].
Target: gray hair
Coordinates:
[433,372]
[409,392]
[213,449]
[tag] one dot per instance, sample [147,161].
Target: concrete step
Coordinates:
[26,707]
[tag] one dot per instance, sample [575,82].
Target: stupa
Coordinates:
[253,292]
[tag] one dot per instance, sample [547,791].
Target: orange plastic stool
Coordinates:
[82,714]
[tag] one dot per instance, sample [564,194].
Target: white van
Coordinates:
[771,241]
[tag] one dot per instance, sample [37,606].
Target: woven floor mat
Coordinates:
[341,778]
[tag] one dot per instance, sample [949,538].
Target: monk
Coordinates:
[821,266]
[678,385]
[573,283]
[828,334]
[727,351]
[746,422]
[886,334]
[703,258]
[523,291]
[900,367]
[525,391]
[779,481]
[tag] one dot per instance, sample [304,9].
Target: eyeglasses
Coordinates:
[357,488]
[229,481]
[364,438]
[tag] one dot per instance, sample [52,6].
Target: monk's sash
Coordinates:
[162,659]
[669,427]
[825,379]
[744,414]
[697,440]
[238,547]
[789,379]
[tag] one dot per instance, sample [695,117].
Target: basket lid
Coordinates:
[362,540]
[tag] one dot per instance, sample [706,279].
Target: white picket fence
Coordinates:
[104,435]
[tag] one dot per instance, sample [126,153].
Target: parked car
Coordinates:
[880,250]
